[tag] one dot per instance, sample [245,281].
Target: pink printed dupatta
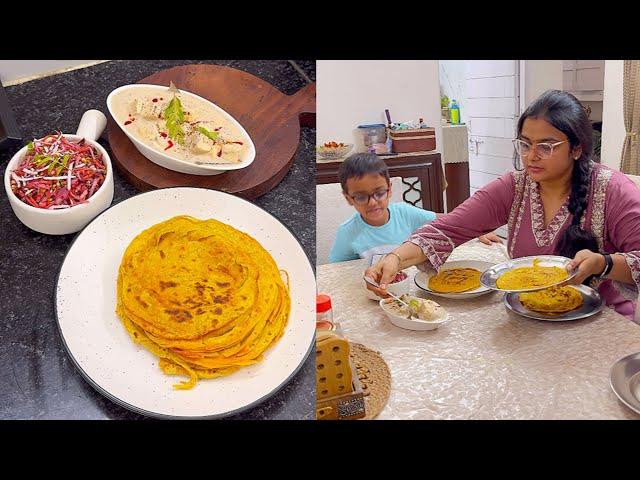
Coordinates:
[612,215]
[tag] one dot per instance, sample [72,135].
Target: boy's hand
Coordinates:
[490,237]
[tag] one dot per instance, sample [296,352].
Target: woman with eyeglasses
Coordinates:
[557,202]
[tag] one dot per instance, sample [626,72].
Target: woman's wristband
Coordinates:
[608,266]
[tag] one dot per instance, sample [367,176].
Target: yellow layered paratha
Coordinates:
[455,280]
[552,300]
[204,297]
[530,277]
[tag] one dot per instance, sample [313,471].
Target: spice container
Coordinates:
[324,312]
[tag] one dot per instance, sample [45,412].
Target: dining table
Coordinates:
[486,362]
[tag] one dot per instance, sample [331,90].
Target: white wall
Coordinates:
[355,92]
[14,71]
[538,76]
[613,131]
[453,83]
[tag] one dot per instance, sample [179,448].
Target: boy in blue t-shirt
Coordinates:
[377,227]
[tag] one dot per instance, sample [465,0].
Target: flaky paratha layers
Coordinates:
[205,297]
[552,300]
[455,280]
[530,277]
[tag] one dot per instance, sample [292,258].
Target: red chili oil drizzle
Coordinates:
[170,145]
[129,121]
[154,100]
[163,134]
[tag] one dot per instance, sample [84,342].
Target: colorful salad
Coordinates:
[400,276]
[57,173]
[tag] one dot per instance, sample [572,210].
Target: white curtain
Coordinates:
[630,162]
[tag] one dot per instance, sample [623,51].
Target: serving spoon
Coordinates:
[414,312]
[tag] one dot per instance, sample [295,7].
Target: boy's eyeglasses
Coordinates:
[543,150]
[363,198]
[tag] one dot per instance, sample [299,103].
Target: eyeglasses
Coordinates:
[542,150]
[363,198]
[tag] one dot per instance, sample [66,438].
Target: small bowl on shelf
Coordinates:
[333,150]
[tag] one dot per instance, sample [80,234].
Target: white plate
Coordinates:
[412,323]
[490,276]
[422,279]
[128,373]
[176,164]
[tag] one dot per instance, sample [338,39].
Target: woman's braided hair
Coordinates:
[566,113]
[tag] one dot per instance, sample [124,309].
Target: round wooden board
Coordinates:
[271,118]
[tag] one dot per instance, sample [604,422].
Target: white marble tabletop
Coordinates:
[487,362]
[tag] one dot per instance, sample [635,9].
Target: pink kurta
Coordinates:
[612,216]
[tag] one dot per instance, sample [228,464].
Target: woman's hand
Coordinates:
[588,263]
[489,238]
[383,272]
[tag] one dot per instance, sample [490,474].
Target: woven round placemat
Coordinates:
[375,377]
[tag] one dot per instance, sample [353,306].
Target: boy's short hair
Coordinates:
[359,165]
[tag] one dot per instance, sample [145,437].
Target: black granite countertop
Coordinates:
[37,378]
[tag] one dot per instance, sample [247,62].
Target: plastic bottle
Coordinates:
[454,111]
[324,313]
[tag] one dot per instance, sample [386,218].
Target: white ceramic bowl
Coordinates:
[411,323]
[74,219]
[175,164]
[397,288]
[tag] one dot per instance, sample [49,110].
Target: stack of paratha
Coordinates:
[203,296]
[552,300]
